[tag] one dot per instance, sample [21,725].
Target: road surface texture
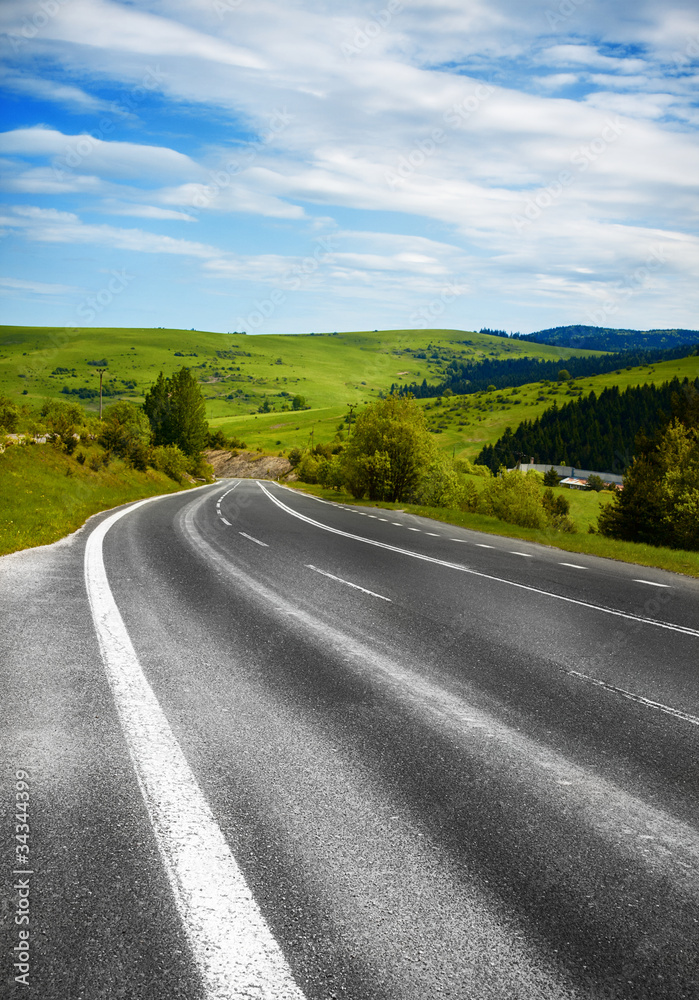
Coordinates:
[267,746]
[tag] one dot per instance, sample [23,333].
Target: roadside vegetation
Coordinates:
[59,465]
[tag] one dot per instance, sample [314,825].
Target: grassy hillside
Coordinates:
[464,423]
[237,372]
[45,494]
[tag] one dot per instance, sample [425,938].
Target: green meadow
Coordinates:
[237,372]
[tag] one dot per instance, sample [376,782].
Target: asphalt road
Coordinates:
[280,748]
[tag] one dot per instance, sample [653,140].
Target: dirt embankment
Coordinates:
[248,465]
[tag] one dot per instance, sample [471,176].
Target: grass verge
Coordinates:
[673,560]
[45,494]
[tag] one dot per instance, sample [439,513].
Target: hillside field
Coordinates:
[237,372]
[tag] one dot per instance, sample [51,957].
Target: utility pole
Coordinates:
[352,408]
[101,374]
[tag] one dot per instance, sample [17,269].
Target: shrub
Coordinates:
[514,498]
[170,460]
[595,483]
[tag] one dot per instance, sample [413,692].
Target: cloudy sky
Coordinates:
[307,165]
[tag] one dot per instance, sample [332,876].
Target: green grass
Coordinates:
[464,424]
[45,494]
[584,508]
[330,371]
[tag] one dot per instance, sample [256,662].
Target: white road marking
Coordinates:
[397,523]
[434,534]
[233,947]
[652,583]
[347,582]
[464,540]
[527,555]
[255,540]
[684,629]
[573,565]
[226,522]
[482,545]
[412,529]
[636,697]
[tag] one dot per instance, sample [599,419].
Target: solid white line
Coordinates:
[255,540]
[573,565]
[652,583]
[233,948]
[636,697]
[347,582]
[685,630]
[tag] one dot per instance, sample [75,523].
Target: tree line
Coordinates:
[593,432]
[659,504]
[464,377]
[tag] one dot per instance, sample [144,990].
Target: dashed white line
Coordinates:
[434,534]
[573,565]
[225,521]
[356,586]
[397,524]
[636,697]
[232,946]
[482,545]
[527,555]
[652,583]
[255,540]
[412,529]
[683,629]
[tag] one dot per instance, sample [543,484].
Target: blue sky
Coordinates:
[297,166]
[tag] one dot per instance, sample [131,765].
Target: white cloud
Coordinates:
[38,287]
[110,158]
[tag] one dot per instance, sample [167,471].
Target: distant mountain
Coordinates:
[597,338]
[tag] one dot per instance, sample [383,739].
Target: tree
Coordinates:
[564,375]
[660,500]
[595,483]
[551,477]
[9,415]
[389,450]
[126,431]
[298,403]
[176,410]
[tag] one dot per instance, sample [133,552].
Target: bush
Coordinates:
[595,483]
[307,469]
[170,460]
[126,432]
[295,456]
[514,498]
[9,415]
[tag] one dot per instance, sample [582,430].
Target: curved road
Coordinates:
[282,748]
